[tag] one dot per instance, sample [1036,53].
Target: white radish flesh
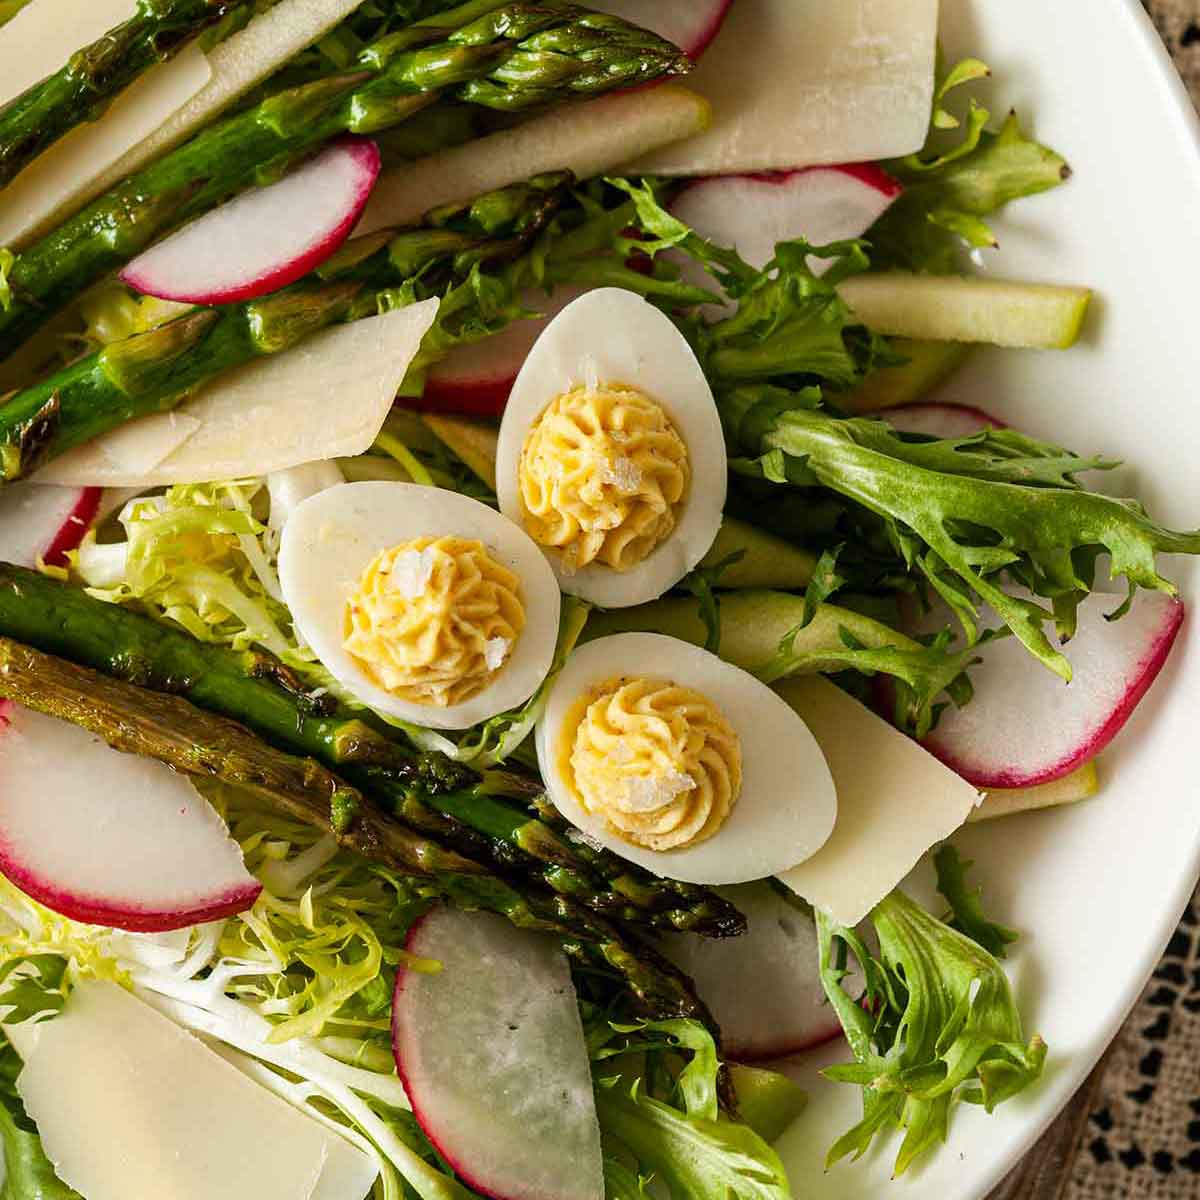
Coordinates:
[763,988]
[752,213]
[690,24]
[111,838]
[264,239]
[941,420]
[44,521]
[491,1052]
[475,379]
[1024,726]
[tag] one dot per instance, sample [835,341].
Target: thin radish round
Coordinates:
[475,379]
[752,213]
[690,24]
[1024,726]
[41,520]
[763,988]
[491,1053]
[940,420]
[110,838]
[267,238]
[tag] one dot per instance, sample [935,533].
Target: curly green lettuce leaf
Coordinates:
[949,191]
[32,988]
[966,904]
[703,583]
[938,1024]
[659,1117]
[962,512]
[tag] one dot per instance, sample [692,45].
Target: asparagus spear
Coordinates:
[488,52]
[188,739]
[82,89]
[428,791]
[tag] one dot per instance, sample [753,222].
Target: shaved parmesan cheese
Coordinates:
[41,38]
[152,1112]
[587,139]
[895,801]
[238,64]
[61,180]
[794,83]
[327,398]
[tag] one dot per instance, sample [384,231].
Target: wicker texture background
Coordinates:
[1141,1138]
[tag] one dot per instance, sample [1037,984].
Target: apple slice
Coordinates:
[752,213]
[928,365]
[690,24]
[952,308]
[110,838]
[475,379]
[491,1053]
[267,238]
[42,521]
[763,988]
[1024,726]
[941,420]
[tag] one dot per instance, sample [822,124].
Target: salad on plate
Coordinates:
[494,601]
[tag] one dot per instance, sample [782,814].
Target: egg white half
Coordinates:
[788,802]
[613,336]
[330,538]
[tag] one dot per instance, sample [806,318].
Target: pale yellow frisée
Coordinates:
[434,620]
[659,762]
[603,475]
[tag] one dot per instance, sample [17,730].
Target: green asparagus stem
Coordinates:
[188,739]
[82,89]
[154,371]
[500,55]
[430,793]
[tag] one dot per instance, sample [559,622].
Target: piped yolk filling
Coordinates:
[603,477]
[659,762]
[434,620]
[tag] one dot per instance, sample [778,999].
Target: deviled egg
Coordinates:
[424,604]
[682,763]
[611,454]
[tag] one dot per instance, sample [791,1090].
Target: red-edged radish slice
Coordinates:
[267,238]
[690,24]
[491,1053]
[752,213]
[1024,726]
[39,520]
[940,420]
[475,379]
[763,988]
[111,838]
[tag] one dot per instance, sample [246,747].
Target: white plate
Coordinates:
[1097,889]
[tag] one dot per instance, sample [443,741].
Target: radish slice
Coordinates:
[110,838]
[690,24]
[941,420]
[491,1053]
[753,213]
[475,379]
[44,521]
[267,238]
[763,988]
[1025,726]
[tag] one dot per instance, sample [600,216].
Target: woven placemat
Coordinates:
[1133,1133]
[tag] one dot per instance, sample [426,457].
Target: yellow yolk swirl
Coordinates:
[659,762]
[433,620]
[603,475]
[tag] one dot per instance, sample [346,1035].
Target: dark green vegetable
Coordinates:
[487,52]
[488,817]
[193,741]
[81,89]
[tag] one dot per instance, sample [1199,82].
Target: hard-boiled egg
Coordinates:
[424,604]
[682,763]
[611,454]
